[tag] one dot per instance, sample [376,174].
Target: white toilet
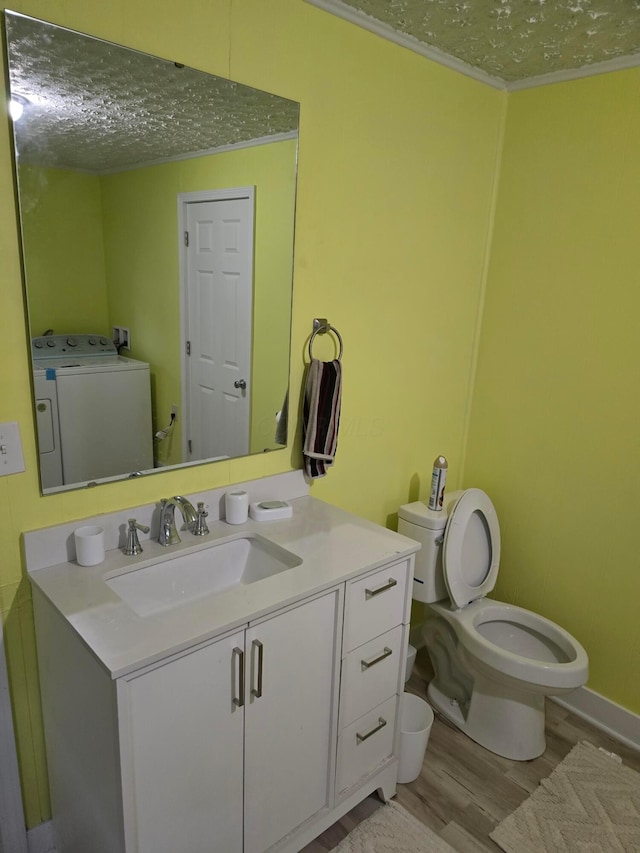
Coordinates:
[494,663]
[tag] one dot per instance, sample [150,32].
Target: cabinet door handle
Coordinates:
[257,691]
[381,724]
[238,700]
[370,593]
[385,654]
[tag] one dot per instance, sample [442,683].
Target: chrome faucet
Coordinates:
[168,533]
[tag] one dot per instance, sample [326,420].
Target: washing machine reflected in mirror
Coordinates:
[93,410]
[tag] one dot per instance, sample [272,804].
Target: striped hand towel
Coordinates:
[321,416]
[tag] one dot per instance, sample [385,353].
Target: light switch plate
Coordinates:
[11,456]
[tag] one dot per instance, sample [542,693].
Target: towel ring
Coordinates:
[321,329]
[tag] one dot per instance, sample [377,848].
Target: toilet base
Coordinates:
[507,722]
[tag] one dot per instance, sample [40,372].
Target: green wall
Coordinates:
[61,213]
[142,259]
[397,167]
[554,430]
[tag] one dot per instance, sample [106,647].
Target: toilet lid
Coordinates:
[471,552]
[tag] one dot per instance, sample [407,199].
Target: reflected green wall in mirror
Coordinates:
[62,233]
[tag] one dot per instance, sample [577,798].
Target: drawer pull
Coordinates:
[381,724]
[370,593]
[257,691]
[238,700]
[385,654]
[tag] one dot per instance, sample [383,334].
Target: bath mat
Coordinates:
[589,804]
[391,829]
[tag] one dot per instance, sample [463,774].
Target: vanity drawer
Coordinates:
[366,743]
[375,604]
[370,674]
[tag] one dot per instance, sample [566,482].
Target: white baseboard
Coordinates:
[606,715]
[40,839]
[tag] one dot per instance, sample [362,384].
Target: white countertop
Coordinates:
[332,544]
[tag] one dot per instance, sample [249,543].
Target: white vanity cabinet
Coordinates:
[263,725]
[226,747]
[230,744]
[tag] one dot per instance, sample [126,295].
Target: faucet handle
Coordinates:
[133,546]
[200,527]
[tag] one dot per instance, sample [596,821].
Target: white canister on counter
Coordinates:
[89,542]
[438,481]
[236,507]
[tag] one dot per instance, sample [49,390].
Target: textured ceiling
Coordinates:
[98,107]
[510,40]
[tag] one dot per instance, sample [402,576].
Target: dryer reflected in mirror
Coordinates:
[158,199]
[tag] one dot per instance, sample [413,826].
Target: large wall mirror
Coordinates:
[157,215]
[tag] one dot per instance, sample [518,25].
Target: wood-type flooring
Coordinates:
[464,791]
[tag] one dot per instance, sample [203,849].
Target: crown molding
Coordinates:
[620,64]
[365,21]
[361,19]
[221,149]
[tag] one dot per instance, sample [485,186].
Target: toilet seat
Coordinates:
[521,645]
[471,551]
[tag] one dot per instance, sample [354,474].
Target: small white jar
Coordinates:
[89,545]
[236,507]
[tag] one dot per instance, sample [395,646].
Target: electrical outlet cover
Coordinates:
[11,456]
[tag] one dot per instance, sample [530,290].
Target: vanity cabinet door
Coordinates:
[290,719]
[182,753]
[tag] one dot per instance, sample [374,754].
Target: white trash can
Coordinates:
[411,659]
[416,719]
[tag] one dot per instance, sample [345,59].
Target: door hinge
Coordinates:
[189,445]
[188,347]
[186,238]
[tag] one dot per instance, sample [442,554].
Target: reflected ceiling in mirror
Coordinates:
[98,107]
[118,154]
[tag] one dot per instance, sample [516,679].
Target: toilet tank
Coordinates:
[427,527]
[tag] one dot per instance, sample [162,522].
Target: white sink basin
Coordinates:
[182,579]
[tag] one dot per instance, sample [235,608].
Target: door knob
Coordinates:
[240,383]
